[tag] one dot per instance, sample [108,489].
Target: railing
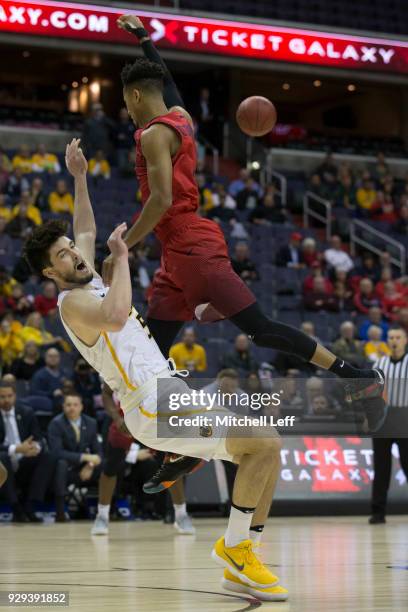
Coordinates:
[399,261]
[308,211]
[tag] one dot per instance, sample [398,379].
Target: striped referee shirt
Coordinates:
[396,378]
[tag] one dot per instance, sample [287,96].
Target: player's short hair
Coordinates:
[37,246]
[143,73]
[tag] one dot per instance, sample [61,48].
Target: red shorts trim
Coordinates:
[196,269]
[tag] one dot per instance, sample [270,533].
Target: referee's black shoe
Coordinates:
[173,468]
[369,395]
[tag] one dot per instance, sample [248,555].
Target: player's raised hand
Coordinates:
[129,22]
[116,244]
[75,159]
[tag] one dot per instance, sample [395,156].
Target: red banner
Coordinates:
[199,35]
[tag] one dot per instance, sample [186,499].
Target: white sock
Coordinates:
[255,536]
[103,511]
[238,526]
[180,510]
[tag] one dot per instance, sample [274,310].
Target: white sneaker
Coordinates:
[100,526]
[184,525]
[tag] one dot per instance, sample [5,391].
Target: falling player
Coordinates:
[113,338]
[196,276]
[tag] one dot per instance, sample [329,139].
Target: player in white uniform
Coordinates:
[114,339]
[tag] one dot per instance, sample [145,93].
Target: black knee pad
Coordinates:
[282,337]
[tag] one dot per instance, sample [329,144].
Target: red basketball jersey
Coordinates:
[185,191]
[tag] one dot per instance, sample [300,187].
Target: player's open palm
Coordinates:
[75,159]
[116,244]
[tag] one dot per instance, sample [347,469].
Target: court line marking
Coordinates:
[252,602]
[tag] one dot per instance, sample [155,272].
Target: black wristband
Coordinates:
[140,33]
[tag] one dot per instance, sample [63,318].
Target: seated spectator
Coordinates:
[366,297]
[393,299]
[402,319]
[221,212]
[240,358]
[188,354]
[42,161]
[366,195]
[347,347]
[220,195]
[385,276]
[290,255]
[336,257]
[375,348]
[386,211]
[291,396]
[4,160]
[319,298]
[242,264]
[7,282]
[11,344]
[48,381]
[205,193]
[343,296]
[375,317]
[367,269]
[248,197]
[19,303]
[320,406]
[99,165]
[240,184]
[4,175]
[34,330]
[401,226]
[310,254]
[87,384]
[5,212]
[61,200]
[73,438]
[316,272]
[17,184]
[328,171]
[33,212]
[381,168]
[253,383]
[38,195]
[346,193]
[46,302]
[6,243]
[227,386]
[21,225]
[317,187]
[26,366]
[23,453]
[23,160]
[268,211]
[314,388]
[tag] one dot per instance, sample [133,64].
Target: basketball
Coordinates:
[256,116]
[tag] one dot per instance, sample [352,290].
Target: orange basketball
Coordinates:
[256,116]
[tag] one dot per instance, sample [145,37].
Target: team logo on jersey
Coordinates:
[206,431]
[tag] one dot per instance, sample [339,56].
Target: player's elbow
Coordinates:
[116,321]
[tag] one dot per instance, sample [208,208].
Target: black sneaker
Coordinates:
[368,394]
[173,468]
[377,519]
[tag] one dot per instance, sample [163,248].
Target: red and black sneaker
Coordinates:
[173,468]
[369,394]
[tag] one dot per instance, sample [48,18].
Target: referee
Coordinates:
[395,428]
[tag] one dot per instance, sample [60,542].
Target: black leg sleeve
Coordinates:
[272,334]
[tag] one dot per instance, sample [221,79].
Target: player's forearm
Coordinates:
[118,301]
[84,220]
[152,212]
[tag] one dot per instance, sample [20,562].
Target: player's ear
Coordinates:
[49,273]
[136,95]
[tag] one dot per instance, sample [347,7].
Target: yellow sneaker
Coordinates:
[232,583]
[241,561]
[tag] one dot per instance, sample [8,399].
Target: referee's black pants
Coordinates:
[382,470]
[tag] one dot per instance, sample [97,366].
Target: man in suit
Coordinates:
[73,438]
[290,255]
[22,452]
[3,474]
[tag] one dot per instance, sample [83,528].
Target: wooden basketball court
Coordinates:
[328,564]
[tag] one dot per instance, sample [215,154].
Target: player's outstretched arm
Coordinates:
[134,25]
[84,220]
[85,313]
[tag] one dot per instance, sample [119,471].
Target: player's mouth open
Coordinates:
[81,266]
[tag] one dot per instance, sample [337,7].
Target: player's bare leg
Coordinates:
[106,489]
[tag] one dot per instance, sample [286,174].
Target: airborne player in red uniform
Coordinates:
[195,268]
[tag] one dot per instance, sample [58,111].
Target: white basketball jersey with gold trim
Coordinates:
[125,359]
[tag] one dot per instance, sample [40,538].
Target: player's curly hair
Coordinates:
[145,73]
[37,247]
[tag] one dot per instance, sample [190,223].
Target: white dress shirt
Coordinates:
[12,438]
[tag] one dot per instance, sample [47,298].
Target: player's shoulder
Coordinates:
[182,111]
